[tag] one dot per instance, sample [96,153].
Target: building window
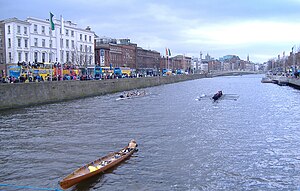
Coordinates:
[62,56]
[9,57]
[26,43]
[81,48]
[73,44]
[35,57]
[26,56]
[43,42]
[50,57]
[19,43]
[90,49]
[67,32]
[19,56]
[18,29]
[35,42]
[81,59]
[80,37]
[43,29]
[67,56]
[50,43]
[43,56]
[35,28]
[61,43]
[67,43]
[8,29]
[0,42]
[72,33]
[25,30]
[9,43]
[85,48]
[85,37]
[73,57]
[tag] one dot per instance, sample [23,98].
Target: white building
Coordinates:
[33,40]
[204,67]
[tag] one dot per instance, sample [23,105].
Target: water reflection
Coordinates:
[249,144]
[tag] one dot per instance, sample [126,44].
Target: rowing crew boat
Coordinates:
[217,98]
[130,95]
[98,166]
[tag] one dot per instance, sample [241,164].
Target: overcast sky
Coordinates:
[261,28]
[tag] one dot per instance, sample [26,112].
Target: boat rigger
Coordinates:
[218,96]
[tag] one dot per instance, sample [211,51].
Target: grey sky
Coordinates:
[261,28]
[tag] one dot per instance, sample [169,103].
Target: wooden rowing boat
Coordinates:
[98,166]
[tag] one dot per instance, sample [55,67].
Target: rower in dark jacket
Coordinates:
[217,95]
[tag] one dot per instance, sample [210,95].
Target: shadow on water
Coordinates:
[100,179]
[90,183]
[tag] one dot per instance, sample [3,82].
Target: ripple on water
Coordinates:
[249,144]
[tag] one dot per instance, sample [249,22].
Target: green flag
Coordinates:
[51,21]
[169,52]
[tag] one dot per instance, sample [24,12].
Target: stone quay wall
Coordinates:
[27,94]
[294,82]
[282,80]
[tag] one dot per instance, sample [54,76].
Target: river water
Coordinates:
[249,144]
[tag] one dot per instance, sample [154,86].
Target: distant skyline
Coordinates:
[262,29]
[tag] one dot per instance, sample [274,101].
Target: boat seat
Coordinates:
[92,168]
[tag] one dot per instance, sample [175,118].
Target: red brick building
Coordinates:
[122,53]
[147,59]
[177,62]
[110,52]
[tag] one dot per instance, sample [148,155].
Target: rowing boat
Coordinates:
[130,95]
[223,96]
[98,166]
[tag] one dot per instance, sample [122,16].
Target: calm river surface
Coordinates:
[249,144]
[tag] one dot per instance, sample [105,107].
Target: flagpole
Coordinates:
[51,28]
[51,56]
[167,54]
[61,44]
[168,62]
[283,55]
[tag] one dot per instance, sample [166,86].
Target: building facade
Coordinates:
[177,62]
[122,53]
[33,41]
[14,43]
[115,52]
[148,61]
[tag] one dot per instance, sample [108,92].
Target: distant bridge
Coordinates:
[233,73]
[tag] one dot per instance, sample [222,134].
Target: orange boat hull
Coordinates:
[84,173]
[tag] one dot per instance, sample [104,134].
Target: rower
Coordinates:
[132,144]
[217,95]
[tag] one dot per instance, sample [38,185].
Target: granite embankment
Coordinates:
[283,80]
[27,94]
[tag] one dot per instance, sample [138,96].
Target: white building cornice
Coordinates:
[14,20]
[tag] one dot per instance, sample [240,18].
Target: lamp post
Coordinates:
[294,59]
[86,63]
[50,55]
